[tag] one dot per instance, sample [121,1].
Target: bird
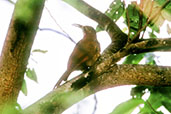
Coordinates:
[84,55]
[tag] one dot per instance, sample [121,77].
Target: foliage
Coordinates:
[31,74]
[136,16]
[24,88]
[127,107]
[159,96]
[134,58]
[40,51]
[12,109]
[115,11]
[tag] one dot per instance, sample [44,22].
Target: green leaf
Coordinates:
[31,74]
[138,91]
[166,95]
[24,88]
[115,10]
[153,102]
[12,109]
[133,17]
[167,105]
[152,35]
[134,58]
[167,8]
[150,59]
[154,27]
[40,51]
[127,107]
[165,91]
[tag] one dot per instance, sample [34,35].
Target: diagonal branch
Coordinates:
[62,98]
[106,73]
[118,38]
[149,45]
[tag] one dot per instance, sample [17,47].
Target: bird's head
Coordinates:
[86,29]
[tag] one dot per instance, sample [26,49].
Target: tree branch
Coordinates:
[118,38]
[60,33]
[62,98]
[10,1]
[16,49]
[105,73]
[151,45]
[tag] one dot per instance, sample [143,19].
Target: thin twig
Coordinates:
[95,106]
[151,9]
[140,20]
[12,2]
[127,17]
[152,18]
[151,107]
[66,34]
[49,29]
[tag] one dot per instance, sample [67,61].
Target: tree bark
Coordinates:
[16,49]
[62,98]
[106,73]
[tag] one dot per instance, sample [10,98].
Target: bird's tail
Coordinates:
[63,77]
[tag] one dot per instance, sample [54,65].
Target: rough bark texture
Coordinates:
[118,38]
[59,100]
[106,73]
[16,49]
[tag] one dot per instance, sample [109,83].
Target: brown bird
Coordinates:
[84,55]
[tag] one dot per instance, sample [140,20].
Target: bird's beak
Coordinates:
[78,25]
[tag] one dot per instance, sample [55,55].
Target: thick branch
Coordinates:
[16,49]
[119,39]
[106,73]
[134,75]
[94,14]
[59,100]
[151,45]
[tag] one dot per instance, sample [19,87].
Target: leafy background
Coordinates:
[133,16]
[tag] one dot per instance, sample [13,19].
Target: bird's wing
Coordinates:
[78,56]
